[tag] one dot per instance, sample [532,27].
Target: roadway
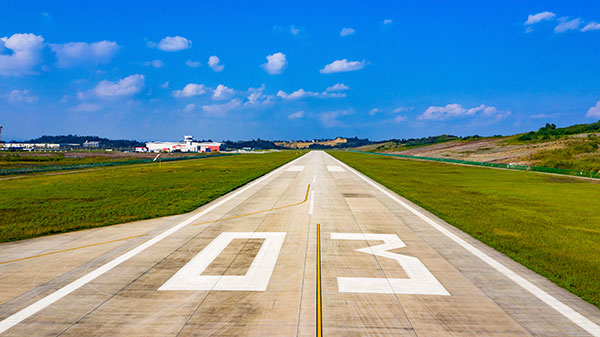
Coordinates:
[311,248]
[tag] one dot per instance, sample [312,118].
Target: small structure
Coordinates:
[30,146]
[91,144]
[188,145]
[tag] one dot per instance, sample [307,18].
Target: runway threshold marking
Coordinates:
[71,249]
[48,300]
[572,315]
[257,212]
[319,299]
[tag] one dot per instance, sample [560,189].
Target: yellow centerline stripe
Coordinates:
[70,249]
[319,301]
[258,212]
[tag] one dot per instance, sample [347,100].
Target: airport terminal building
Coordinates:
[188,145]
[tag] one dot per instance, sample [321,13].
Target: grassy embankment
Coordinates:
[14,160]
[42,205]
[579,154]
[549,224]
[581,150]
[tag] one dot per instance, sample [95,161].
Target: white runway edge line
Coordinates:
[557,305]
[29,311]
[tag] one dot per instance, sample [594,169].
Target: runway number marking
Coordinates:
[420,280]
[256,279]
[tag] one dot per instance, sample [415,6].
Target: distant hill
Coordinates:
[575,147]
[258,144]
[550,131]
[339,142]
[75,139]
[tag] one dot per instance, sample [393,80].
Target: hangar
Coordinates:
[188,145]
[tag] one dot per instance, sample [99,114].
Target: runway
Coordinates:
[312,248]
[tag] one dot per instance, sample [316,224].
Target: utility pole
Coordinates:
[0,136]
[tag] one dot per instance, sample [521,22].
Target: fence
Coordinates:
[4,172]
[579,173]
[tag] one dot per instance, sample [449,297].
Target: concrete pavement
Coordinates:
[387,268]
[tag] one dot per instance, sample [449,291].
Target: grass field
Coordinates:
[23,159]
[13,160]
[548,223]
[42,205]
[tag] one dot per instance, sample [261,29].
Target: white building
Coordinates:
[30,146]
[188,145]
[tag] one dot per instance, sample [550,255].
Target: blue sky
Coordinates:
[277,70]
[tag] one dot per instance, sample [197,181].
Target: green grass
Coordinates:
[548,223]
[14,160]
[24,160]
[41,205]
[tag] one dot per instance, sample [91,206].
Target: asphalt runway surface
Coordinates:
[312,248]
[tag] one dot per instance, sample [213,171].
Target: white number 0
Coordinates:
[420,281]
[256,279]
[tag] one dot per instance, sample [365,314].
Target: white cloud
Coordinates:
[543,116]
[335,91]
[399,119]
[566,25]
[594,112]
[330,119]
[347,31]
[191,90]
[172,43]
[457,110]
[296,115]
[373,111]
[154,63]
[257,96]
[342,66]
[276,63]
[294,30]
[387,21]
[337,87]
[193,64]
[535,18]
[127,86]
[214,63]
[221,109]
[75,53]
[591,26]
[86,107]
[222,92]
[296,94]
[21,96]
[401,109]
[165,85]
[190,107]
[25,54]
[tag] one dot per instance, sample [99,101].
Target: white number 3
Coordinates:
[420,280]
